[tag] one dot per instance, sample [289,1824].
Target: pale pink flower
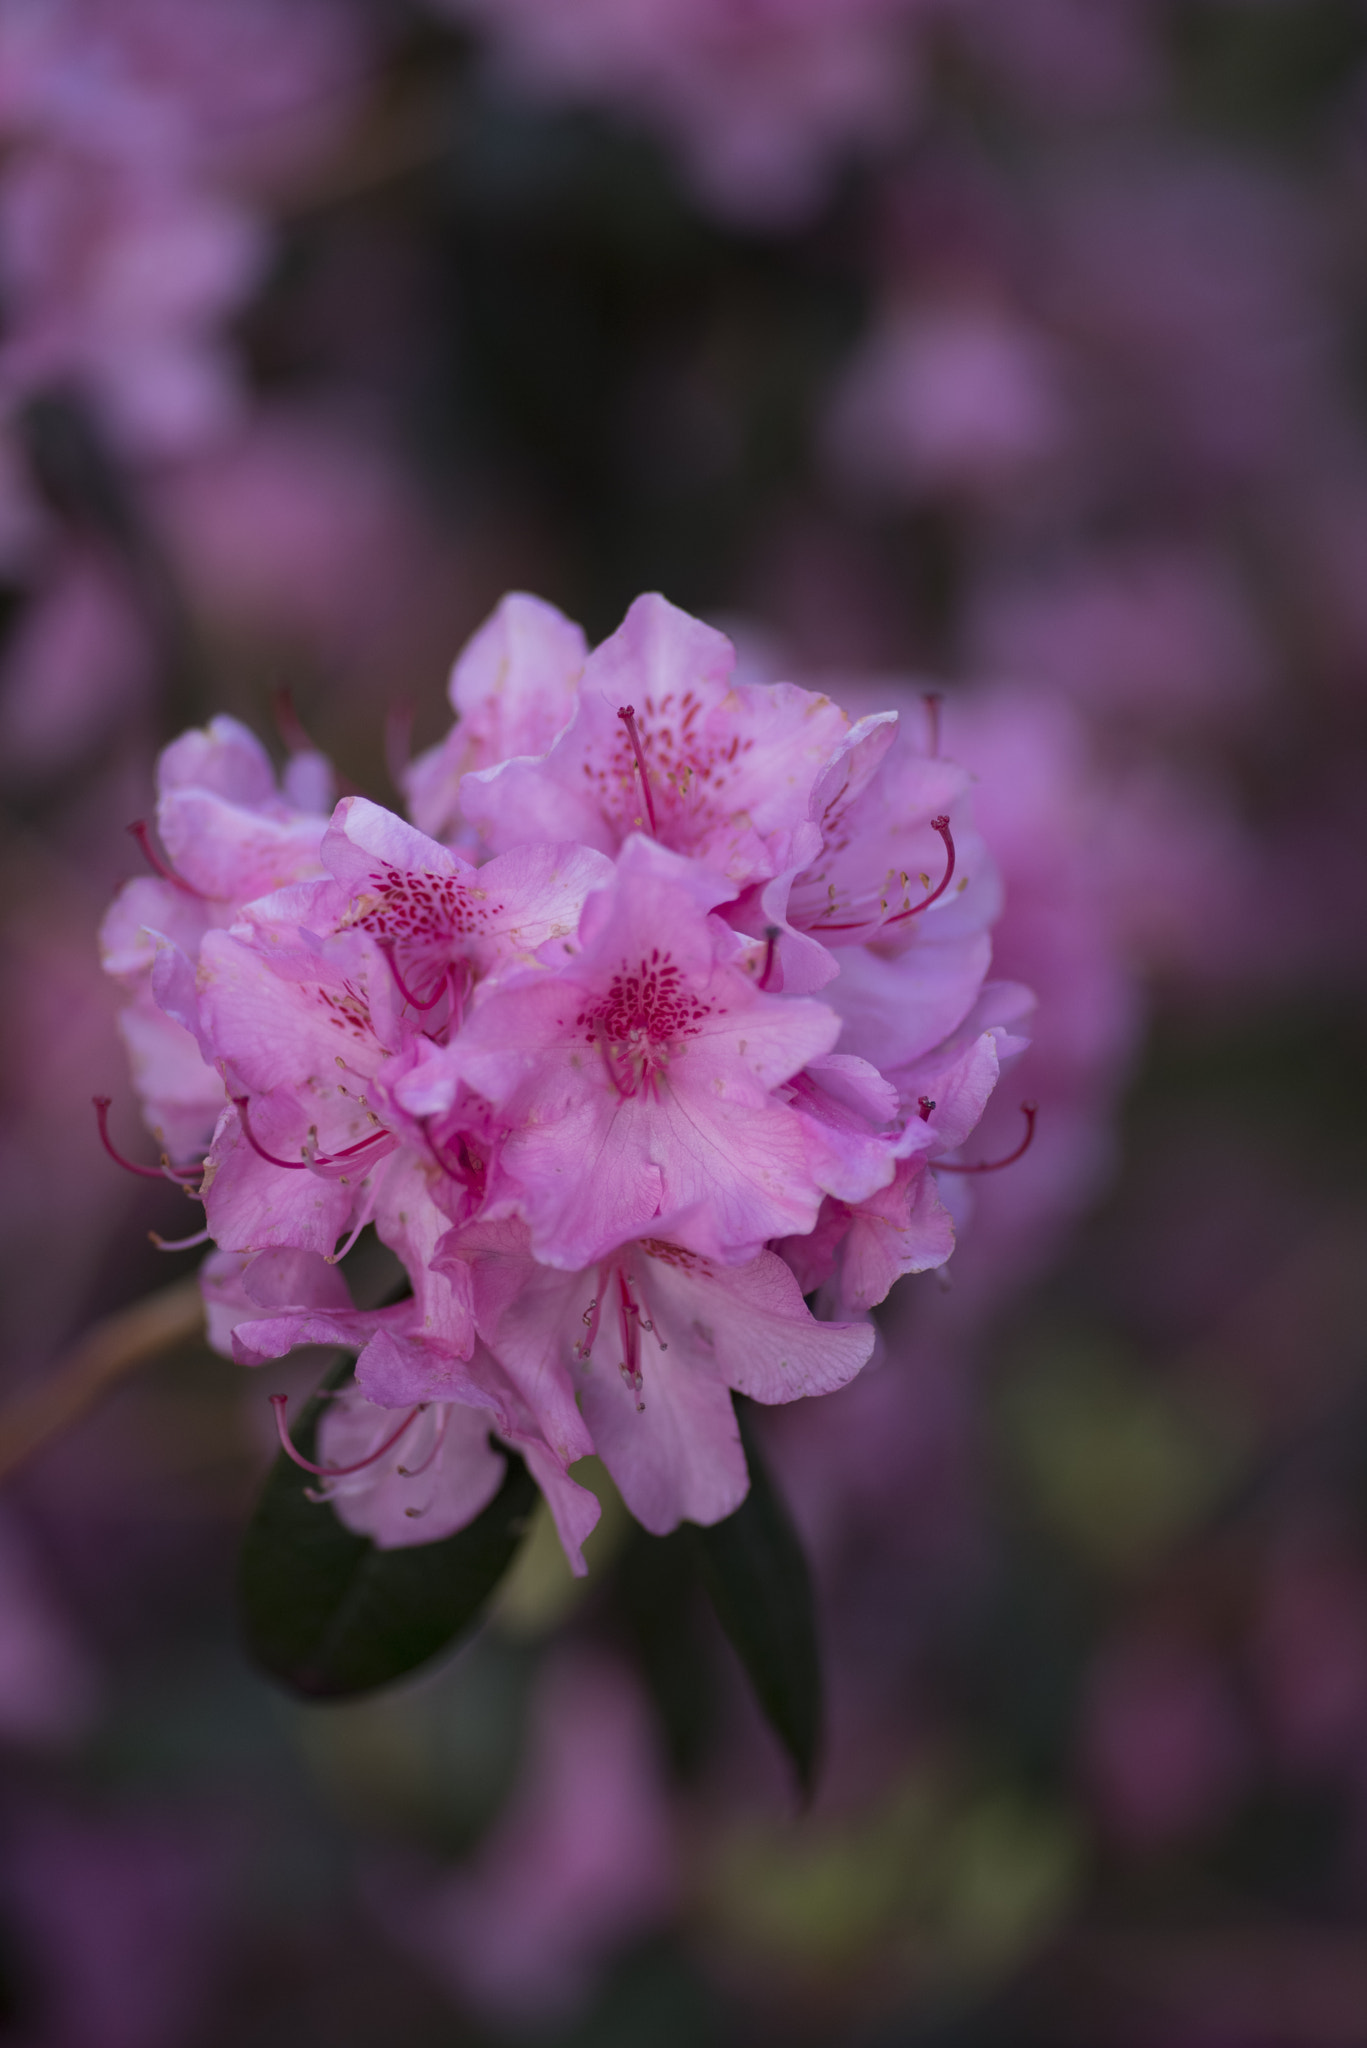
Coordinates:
[664,741]
[399,1478]
[577,1087]
[230,835]
[651,1342]
[513,689]
[637,1075]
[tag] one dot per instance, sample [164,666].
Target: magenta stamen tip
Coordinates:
[627,714]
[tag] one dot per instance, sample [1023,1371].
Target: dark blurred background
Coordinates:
[1013,348]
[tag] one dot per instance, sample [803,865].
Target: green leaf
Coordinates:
[329,1614]
[754,1569]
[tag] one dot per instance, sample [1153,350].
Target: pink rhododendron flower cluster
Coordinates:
[668,1010]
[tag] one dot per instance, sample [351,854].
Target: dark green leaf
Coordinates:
[753,1566]
[329,1614]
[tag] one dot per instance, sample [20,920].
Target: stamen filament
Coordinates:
[348,1151]
[1029,1110]
[142,832]
[940,825]
[178,1175]
[178,1244]
[627,714]
[367,1211]
[279,1402]
[387,948]
[290,1165]
[439,1438]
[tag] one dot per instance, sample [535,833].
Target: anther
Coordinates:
[627,714]
[772,934]
[279,1402]
[925,1104]
[142,832]
[1029,1110]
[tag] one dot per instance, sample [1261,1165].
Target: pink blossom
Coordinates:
[576,1086]
[651,1341]
[637,1076]
[865,1245]
[400,1478]
[513,689]
[664,741]
[230,836]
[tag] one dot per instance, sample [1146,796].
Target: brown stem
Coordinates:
[109,1349]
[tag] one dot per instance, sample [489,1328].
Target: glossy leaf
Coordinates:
[329,1614]
[755,1571]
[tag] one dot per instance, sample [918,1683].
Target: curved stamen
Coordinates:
[142,832]
[367,1211]
[1029,1110]
[349,1151]
[290,1165]
[178,1244]
[772,934]
[387,948]
[439,1438]
[178,1175]
[940,825]
[627,714]
[279,1402]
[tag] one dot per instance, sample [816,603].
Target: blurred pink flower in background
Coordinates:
[123,1923]
[581,1862]
[763,99]
[1163,638]
[951,397]
[1164,1750]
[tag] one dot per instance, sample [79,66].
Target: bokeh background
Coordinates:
[1015,349]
